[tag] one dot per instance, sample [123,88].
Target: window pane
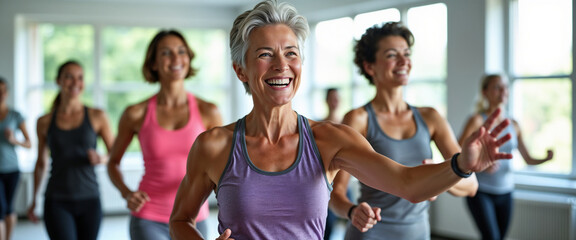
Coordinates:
[538,22]
[61,43]
[367,20]
[124,50]
[545,121]
[429,26]
[333,60]
[211,56]
[430,94]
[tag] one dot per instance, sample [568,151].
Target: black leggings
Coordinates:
[491,213]
[8,183]
[72,219]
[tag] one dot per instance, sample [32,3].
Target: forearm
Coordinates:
[427,181]
[39,173]
[340,204]
[466,187]
[184,229]
[118,180]
[25,143]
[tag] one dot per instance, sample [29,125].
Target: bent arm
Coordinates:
[42,159]
[26,143]
[192,193]
[123,139]
[524,150]
[339,201]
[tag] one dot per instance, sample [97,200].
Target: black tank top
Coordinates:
[72,177]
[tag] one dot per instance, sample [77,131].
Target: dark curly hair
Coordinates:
[366,48]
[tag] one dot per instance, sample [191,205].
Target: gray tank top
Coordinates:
[72,177]
[291,204]
[401,219]
[502,180]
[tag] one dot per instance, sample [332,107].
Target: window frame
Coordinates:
[510,21]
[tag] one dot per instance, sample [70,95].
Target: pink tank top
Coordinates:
[165,154]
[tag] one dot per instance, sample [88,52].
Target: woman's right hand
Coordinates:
[136,200]
[364,217]
[226,235]
[31,215]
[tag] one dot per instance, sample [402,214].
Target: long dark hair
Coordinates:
[58,98]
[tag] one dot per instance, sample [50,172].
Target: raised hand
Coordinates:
[480,150]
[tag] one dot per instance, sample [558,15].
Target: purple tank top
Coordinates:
[291,204]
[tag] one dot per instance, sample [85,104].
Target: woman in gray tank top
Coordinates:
[397,130]
[253,165]
[491,207]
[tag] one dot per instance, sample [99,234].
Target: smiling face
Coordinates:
[71,80]
[273,64]
[392,64]
[172,59]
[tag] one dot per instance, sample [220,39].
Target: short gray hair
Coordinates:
[268,12]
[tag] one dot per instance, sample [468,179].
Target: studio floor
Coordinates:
[115,227]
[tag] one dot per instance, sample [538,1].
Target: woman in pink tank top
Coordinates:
[167,125]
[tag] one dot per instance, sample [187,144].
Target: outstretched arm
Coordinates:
[420,183]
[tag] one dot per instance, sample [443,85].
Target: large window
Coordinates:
[112,58]
[541,61]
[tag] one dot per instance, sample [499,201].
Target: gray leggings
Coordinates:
[142,229]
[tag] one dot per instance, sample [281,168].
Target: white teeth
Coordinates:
[278,81]
[176,68]
[402,72]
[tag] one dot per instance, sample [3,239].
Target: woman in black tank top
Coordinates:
[72,208]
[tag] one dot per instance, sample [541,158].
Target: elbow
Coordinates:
[415,198]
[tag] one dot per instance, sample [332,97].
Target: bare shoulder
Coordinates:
[136,111]
[211,150]
[475,121]
[356,115]
[431,116]
[205,106]
[97,114]
[357,119]
[429,112]
[44,121]
[210,113]
[333,134]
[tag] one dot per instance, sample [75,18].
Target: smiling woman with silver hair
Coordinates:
[272,169]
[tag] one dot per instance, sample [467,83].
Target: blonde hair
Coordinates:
[482,103]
